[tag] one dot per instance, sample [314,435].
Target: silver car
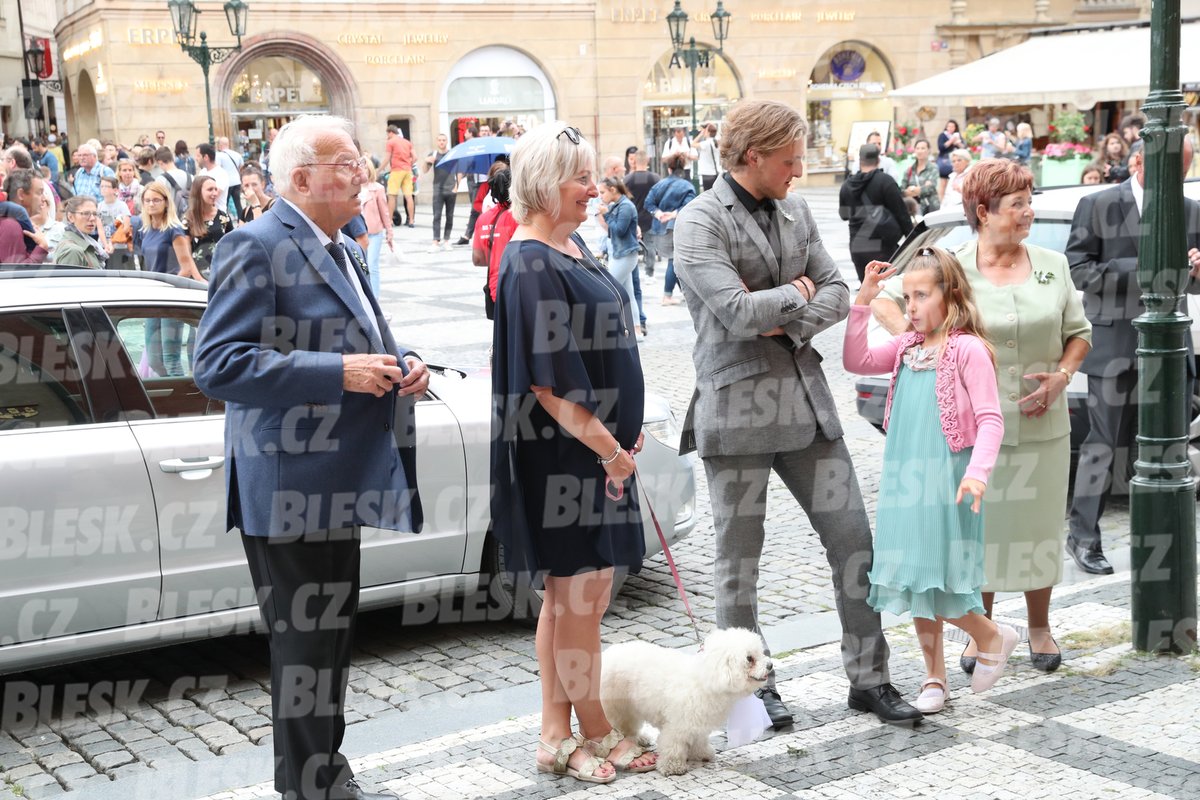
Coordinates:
[112,518]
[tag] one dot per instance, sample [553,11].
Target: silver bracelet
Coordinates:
[606,461]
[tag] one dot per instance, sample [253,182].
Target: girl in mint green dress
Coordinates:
[944,429]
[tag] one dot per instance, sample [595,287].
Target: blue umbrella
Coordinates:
[476,156]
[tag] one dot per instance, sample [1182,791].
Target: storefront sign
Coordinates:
[360,39]
[869,87]
[512,94]
[777,16]
[150,36]
[160,87]
[395,61]
[782,74]
[94,41]
[633,14]
[798,16]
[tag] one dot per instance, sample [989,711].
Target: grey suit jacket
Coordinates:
[755,394]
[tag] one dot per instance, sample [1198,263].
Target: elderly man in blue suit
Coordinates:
[318,434]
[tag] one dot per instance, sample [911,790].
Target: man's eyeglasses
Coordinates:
[573,135]
[353,165]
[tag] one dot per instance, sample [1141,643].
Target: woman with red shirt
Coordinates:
[495,228]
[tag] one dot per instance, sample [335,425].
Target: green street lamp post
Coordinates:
[1163,490]
[693,56]
[184,17]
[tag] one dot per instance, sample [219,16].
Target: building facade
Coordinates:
[605,66]
[29,108]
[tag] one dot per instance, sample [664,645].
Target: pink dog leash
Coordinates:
[645,496]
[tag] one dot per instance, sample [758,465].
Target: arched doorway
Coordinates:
[274,79]
[494,85]
[667,96]
[850,83]
[87,116]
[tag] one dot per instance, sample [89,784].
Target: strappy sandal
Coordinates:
[635,751]
[986,675]
[586,773]
[933,696]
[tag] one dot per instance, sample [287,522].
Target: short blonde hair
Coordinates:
[1024,129]
[761,125]
[543,160]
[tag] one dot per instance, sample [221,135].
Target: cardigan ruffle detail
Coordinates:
[946,372]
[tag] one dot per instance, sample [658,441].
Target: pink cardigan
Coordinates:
[375,209]
[967,397]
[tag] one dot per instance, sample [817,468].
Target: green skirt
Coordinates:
[1024,512]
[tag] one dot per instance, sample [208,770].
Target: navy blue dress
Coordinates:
[562,323]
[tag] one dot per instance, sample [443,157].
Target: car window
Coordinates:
[1051,234]
[160,342]
[40,384]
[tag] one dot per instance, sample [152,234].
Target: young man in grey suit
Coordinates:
[318,435]
[759,285]
[1103,255]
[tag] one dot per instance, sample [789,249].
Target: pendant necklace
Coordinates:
[606,279]
[609,284]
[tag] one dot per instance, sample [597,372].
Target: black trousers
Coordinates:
[1104,454]
[307,590]
[443,199]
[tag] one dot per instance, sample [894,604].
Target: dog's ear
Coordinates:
[734,664]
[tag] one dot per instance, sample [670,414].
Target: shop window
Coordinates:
[849,83]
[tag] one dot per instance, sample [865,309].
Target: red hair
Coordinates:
[988,182]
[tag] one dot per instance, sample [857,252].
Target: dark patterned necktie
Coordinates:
[339,257]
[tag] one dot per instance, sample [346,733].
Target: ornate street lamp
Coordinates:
[720,23]
[1162,494]
[677,22]
[183,20]
[692,56]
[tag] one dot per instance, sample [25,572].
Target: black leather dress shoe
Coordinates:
[355,792]
[1090,559]
[886,703]
[776,710]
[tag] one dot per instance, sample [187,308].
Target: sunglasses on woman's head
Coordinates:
[573,135]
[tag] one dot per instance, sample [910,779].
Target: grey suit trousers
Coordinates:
[821,477]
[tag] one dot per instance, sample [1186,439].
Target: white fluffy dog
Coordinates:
[685,695]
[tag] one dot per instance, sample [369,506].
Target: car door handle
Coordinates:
[191,464]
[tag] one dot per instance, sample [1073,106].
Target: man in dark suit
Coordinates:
[1103,255]
[319,405]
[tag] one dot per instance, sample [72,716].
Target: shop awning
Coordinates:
[1082,68]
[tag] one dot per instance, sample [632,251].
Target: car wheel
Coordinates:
[506,600]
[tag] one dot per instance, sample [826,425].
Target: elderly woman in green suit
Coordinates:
[1035,321]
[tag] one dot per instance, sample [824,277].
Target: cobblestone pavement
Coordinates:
[203,708]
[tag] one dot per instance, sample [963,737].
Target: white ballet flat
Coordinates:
[933,696]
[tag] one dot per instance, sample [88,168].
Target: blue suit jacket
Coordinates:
[302,455]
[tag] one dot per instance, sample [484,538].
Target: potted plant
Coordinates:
[1065,157]
[905,134]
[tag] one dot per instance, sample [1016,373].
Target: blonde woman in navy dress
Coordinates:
[568,390]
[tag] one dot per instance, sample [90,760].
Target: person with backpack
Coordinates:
[871,202]
[174,178]
[183,158]
[496,226]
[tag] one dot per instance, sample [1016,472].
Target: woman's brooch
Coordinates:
[1043,277]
